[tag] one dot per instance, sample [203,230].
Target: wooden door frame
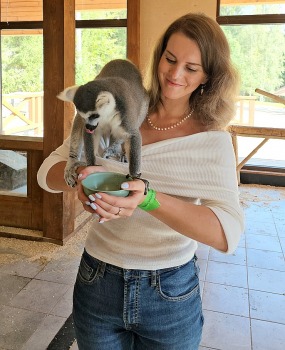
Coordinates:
[56,213]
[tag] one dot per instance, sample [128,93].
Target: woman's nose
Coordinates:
[175,71]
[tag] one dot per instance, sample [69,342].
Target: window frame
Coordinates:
[257,174]
[248,19]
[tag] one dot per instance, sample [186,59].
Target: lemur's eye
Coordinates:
[93,116]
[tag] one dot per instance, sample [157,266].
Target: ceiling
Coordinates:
[31,10]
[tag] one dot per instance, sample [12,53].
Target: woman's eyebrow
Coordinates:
[192,63]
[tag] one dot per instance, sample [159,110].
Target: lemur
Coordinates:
[114,103]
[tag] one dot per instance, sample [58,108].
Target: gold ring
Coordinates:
[118,213]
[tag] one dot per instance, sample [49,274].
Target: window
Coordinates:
[22,83]
[256,34]
[101,35]
[13,172]
[246,8]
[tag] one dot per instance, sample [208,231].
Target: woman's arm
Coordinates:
[194,221]
[55,178]
[51,173]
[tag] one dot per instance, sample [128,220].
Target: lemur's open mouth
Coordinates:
[90,128]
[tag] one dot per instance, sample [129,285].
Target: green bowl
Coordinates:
[105,182]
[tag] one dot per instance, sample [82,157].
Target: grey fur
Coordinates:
[114,103]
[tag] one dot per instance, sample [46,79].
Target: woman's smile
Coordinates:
[172,83]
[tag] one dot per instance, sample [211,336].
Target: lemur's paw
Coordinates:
[138,177]
[135,176]
[70,174]
[70,178]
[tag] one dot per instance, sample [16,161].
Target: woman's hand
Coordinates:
[109,207]
[83,172]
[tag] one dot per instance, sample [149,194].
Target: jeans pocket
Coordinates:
[180,283]
[87,274]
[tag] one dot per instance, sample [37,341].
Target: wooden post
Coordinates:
[59,63]
[133,31]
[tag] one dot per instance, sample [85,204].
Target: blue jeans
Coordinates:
[118,309]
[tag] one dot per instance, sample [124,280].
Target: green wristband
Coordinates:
[150,202]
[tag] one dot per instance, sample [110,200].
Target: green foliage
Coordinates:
[258,52]
[22,63]
[251,9]
[94,48]
[102,14]
[22,56]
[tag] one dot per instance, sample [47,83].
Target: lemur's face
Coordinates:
[105,107]
[91,120]
[93,105]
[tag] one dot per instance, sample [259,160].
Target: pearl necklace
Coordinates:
[150,123]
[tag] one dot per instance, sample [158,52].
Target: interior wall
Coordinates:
[155,16]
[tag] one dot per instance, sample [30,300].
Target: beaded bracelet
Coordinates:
[150,202]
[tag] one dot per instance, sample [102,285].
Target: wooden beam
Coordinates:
[252,131]
[59,62]
[263,172]
[251,19]
[87,5]
[133,31]
[256,131]
[19,143]
[250,2]
[22,32]
[32,10]
[252,153]
[272,96]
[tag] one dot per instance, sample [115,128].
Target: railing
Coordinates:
[249,130]
[22,114]
[242,117]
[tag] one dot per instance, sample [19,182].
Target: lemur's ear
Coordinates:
[68,93]
[103,99]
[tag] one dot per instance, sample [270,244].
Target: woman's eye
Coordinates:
[169,60]
[190,69]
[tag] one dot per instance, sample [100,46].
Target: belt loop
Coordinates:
[153,278]
[101,270]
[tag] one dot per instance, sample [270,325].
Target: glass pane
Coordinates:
[96,47]
[235,8]
[272,153]
[98,9]
[22,84]
[259,54]
[258,51]
[13,173]
[21,11]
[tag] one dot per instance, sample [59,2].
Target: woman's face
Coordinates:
[180,69]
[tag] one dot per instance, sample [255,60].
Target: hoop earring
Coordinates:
[202,89]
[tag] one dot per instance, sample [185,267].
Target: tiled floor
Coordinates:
[243,294]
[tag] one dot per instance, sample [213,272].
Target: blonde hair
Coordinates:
[216,106]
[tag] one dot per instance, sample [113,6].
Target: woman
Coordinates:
[137,285]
